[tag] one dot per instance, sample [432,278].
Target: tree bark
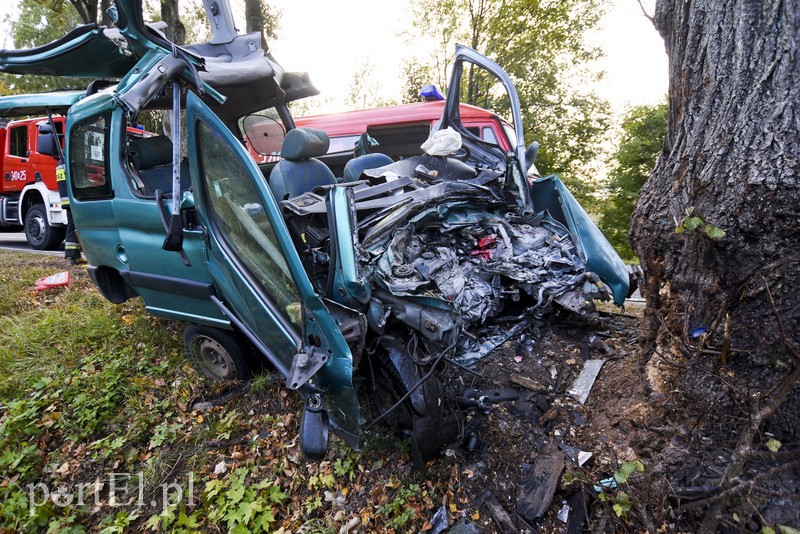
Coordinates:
[87,9]
[731,154]
[256,20]
[730,157]
[170,14]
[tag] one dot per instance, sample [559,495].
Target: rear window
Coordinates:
[401,141]
[88,162]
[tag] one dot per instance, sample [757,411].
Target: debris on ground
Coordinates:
[53,281]
[583,384]
[539,483]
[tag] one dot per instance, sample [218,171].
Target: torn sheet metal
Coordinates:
[445,252]
[583,384]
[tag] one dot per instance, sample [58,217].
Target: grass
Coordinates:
[89,389]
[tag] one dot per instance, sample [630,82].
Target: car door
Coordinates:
[256,270]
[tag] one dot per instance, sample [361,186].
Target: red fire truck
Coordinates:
[29,197]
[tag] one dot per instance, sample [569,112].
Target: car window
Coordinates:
[236,209]
[343,143]
[19,141]
[88,162]
[488,135]
[263,133]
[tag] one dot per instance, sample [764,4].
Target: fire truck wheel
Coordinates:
[216,354]
[39,233]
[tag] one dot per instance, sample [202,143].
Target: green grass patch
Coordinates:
[89,389]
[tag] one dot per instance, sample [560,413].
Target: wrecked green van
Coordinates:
[379,283]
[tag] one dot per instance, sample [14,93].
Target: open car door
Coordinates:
[257,272]
[547,193]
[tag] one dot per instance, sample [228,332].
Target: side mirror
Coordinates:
[47,140]
[531,153]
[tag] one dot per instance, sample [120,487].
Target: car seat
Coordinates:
[151,162]
[356,166]
[298,172]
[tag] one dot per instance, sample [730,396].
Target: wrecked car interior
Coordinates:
[445,256]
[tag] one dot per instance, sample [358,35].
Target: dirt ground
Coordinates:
[671,424]
[504,438]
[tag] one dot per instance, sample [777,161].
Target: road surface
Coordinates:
[16,241]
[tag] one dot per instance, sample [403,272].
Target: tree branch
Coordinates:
[737,489]
[647,15]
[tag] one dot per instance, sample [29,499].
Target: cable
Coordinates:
[416,386]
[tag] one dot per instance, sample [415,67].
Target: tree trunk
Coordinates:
[731,154]
[255,20]
[730,161]
[87,9]
[170,14]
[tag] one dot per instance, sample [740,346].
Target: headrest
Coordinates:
[354,167]
[304,143]
[149,152]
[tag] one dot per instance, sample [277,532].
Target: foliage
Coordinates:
[39,23]
[542,47]
[620,500]
[364,89]
[263,17]
[88,388]
[643,131]
[692,222]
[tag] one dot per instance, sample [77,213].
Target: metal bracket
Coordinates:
[304,366]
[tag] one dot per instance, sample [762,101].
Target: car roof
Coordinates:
[357,122]
[39,103]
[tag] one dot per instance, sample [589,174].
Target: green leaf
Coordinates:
[154,522]
[773,445]
[276,495]
[265,520]
[691,223]
[213,487]
[626,470]
[714,232]
[235,494]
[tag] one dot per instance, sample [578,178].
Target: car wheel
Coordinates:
[39,233]
[427,416]
[216,354]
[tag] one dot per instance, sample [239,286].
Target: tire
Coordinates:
[39,233]
[216,354]
[427,417]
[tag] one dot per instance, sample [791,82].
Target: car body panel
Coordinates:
[240,285]
[85,52]
[58,102]
[354,123]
